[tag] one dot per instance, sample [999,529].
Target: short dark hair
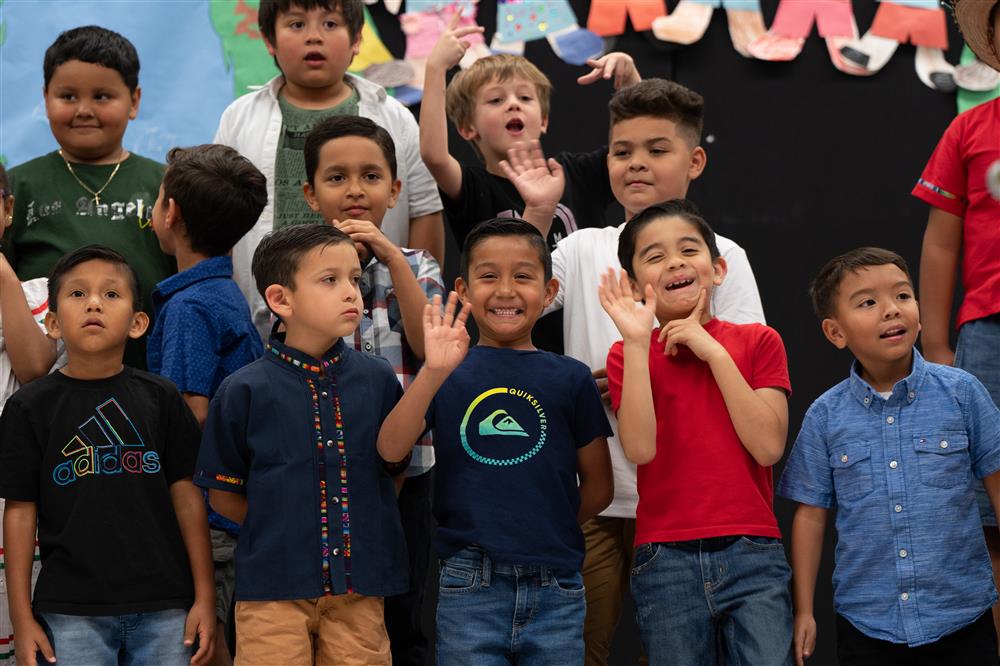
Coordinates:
[98,46]
[220,193]
[661,98]
[682,208]
[353,12]
[826,284]
[505,226]
[336,127]
[280,252]
[71,260]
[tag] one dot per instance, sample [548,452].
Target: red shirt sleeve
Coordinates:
[943,183]
[770,363]
[616,369]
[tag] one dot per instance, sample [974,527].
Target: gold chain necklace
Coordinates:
[97,194]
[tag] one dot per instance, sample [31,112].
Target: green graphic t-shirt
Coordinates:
[290,167]
[54,215]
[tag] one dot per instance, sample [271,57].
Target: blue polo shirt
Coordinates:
[911,563]
[203,331]
[297,436]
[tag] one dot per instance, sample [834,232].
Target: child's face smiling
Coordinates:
[671,255]
[95,313]
[352,182]
[313,47]
[649,162]
[506,112]
[507,290]
[89,107]
[877,317]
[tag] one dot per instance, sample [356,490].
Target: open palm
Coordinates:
[446,340]
[633,320]
[538,181]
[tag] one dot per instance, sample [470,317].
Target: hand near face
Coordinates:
[633,320]
[363,231]
[540,182]
[446,340]
[690,333]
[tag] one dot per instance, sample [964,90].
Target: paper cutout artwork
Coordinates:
[426,20]
[690,19]
[607,17]
[923,23]
[375,63]
[793,22]
[520,21]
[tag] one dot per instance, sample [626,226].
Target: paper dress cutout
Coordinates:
[691,18]
[520,21]
[426,20]
[793,22]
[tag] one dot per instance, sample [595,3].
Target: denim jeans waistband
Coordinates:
[712,544]
[476,559]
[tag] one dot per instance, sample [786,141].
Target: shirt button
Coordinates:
[368,346]
[334,500]
[325,394]
[366,310]
[897,508]
[902,552]
[329,442]
[867,400]
[335,552]
[944,443]
[905,596]
[843,458]
[890,420]
[912,395]
[893,464]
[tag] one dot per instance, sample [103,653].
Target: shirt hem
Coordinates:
[97,610]
[885,636]
[770,531]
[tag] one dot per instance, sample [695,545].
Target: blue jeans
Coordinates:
[118,640]
[976,353]
[490,613]
[695,598]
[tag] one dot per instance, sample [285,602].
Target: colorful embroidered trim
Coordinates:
[294,361]
[345,513]
[324,527]
[934,188]
[231,480]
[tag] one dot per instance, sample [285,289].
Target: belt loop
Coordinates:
[543,573]
[487,565]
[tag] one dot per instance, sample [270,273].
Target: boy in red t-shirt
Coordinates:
[963,224]
[702,410]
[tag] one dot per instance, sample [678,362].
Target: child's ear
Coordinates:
[52,325]
[270,47]
[462,288]
[721,269]
[173,215]
[545,124]
[356,46]
[140,322]
[279,299]
[310,194]
[638,292]
[699,158]
[397,186]
[468,133]
[551,291]
[834,333]
[136,97]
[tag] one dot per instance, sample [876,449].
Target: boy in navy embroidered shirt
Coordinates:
[320,540]
[515,428]
[894,448]
[100,455]
[352,182]
[210,197]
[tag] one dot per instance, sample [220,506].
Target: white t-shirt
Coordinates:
[252,126]
[578,263]
[36,292]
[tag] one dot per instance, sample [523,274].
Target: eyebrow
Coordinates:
[645,142]
[859,292]
[682,239]
[337,166]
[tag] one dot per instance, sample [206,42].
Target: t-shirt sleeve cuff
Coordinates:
[939,198]
[987,465]
[219,481]
[803,495]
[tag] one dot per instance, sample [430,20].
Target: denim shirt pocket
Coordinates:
[943,458]
[852,470]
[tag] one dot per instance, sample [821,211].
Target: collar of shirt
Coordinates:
[906,388]
[213,267]
[303,363]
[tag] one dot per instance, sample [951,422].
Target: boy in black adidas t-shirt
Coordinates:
[102,455]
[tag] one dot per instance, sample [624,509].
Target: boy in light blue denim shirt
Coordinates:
[896,448]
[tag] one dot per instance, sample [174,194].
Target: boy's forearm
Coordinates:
[761,429]
[992,484]
[540,217]
[939,257]
[427,233]
[31,352]
[406,422]
[808,527]
[19,525]
[228,505]
[189,506]
[636,414]
[597,485]
[434,134]
[412,301]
